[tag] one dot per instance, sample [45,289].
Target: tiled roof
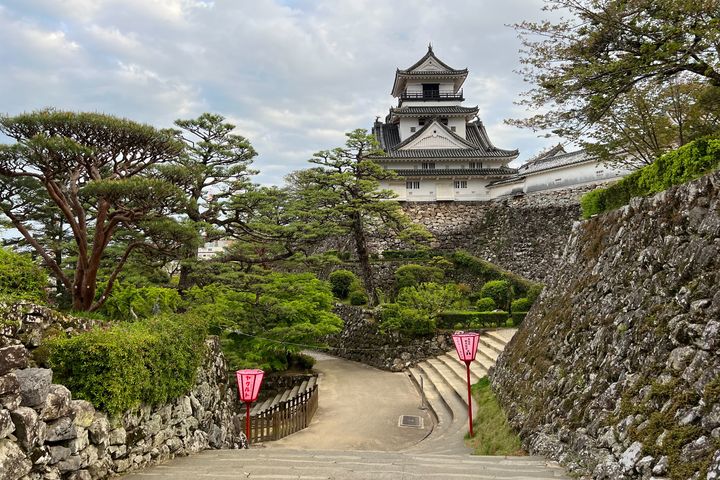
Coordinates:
[430,53]
[449,110]
[449,153]
[554,161]
[455,172]
[387,134]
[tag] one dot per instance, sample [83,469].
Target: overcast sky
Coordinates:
[293,75]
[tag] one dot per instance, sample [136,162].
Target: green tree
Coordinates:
[342,195]
[431,298]
[94,169]
[500,291]
[20,277]
[601,55]
[214,166]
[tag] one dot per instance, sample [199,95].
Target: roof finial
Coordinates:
[429,46]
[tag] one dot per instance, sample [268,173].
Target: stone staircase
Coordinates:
[443,381]
[269,403]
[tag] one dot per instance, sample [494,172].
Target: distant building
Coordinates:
[441,151]
[214,248]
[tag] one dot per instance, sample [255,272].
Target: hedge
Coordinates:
[472,319]
[679,166]
[490,319]
[20,277]
[116,369]
[487,271]
[518,317]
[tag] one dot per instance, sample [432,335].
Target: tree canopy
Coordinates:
[603,56]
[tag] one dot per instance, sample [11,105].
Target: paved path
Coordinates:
[355,435]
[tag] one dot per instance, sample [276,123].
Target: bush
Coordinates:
[358,297]
[341,282]
[20,278]
[412,275]
[132,303]
[396,318]
[490,319]
[521,305]
[486,271]
[499,290]
[300,361]
[534,292]
[408,254]
[150,361]
[486,304]
[686,163]
[456,319]
[518,317]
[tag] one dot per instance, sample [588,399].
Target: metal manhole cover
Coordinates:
[412,421]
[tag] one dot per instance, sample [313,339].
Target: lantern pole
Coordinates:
[247,422]
[249,382]
[467,370]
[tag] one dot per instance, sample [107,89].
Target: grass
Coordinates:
[493,434]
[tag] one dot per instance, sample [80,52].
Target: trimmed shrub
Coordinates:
[150,361]
[521,305]
[341,282]
[131,302]
[518,317]
[412,275]
[486,304]
[534,292]
[686,163]
[396,318]
[490,319]
[358,297]
[20,277]
[486,271]
[453,318]
[499,290]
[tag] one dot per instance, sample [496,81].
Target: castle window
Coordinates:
[412,185]
[421,121]
[428,166]
[452,128]
[412,129]
[431,90]
[460,184]
[444,121]
[475,165]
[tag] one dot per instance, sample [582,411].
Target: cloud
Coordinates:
[294,76]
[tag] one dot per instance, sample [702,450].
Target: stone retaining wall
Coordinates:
[46,434]
[361,341]
[524,234]
[616,370]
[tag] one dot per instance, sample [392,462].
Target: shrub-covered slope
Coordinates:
[616,370]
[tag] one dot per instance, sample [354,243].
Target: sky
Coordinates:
[292,75]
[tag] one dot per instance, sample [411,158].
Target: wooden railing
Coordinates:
[285,418]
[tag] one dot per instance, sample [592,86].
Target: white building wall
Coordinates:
[571,175]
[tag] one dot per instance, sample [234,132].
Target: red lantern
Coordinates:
[249,382]
[466,345]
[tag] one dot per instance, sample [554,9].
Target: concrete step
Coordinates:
[490,346]
[303,387]
[312,382]
[459,369]
[502,335]
[350,465]
[457,383]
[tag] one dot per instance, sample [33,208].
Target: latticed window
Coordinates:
[412,185]
[476,165]
[460,183]
[428,166]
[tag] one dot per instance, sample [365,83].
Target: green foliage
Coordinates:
[486,271]
[499,290]
[128,302]
[520,305]
[534,292]
[486,304]
[490,319]
[493,434]
[358,297]
[412,275]
[422,254]
[398,318]
[150,361]
[686,163]
[518,317]
[457,319]
[300,361]
[20,277]
[430,298]
[262,316]
[341,281]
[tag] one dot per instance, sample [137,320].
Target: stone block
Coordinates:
[13,462]
[58,453]
[83,413]
[12,357]
[8,383]
[34,385]
[57,403]
[99,430]
[6,424]
[117,436]
[80,475]
[80,442]
[70,464]
[61,429]
[29,429]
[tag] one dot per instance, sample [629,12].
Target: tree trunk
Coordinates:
[363,254]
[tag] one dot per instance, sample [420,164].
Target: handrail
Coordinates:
[284,418]
[434,94]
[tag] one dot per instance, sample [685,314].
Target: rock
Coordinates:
[83,413]
[34,385]
[6,424]
[80,442]
[13,462]
[697,449]
[99,430]
[58,453]
[661,467]
[71,464]
[61,429]
[57,403]
[630,457]
[714,468]
[29,429]
[117,436]
[8,383]
[12,357]
[680,358]
[80,475]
